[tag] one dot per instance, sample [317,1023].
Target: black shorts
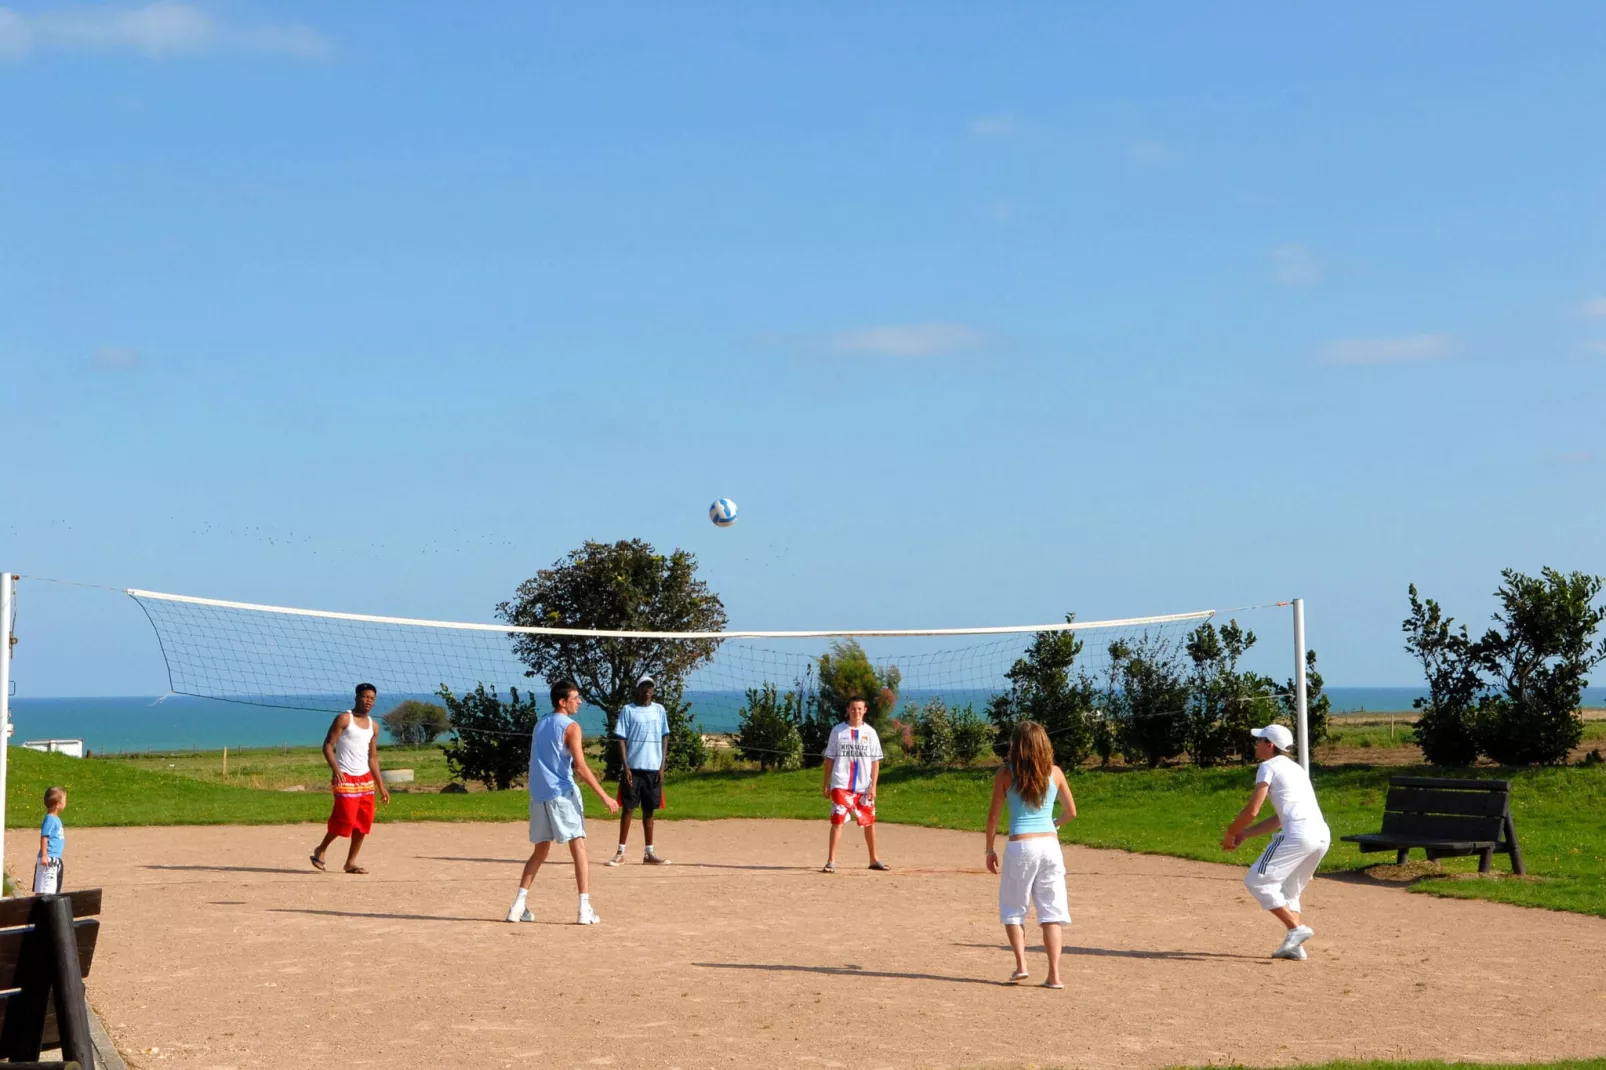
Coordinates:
[644,790]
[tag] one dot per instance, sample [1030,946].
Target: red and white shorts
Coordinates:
[854,804]
[354,805]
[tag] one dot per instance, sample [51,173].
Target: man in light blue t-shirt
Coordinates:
[642,730]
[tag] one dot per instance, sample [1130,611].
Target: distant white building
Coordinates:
[72,748]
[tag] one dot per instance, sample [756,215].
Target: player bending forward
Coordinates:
[556,812]
[852,770]
[1290,859]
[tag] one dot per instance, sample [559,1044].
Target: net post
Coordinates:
[1301,710]
[7,595]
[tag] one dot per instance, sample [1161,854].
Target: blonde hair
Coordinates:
[54,797]
[1031,762]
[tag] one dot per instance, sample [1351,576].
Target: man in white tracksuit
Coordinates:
[1289,861]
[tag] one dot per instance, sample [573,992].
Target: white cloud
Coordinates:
[912,340]
[163,29]
[1405,349]
[114,359]
[1295,265]
[1149,152]
[1593,307]
[994,126]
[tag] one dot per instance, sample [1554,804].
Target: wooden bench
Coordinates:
[1446,818]
[46,945]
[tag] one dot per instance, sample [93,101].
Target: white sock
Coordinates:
[523,894]
[621,848]
[585,899]
[650,850]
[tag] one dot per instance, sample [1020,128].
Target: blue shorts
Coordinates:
[557,820]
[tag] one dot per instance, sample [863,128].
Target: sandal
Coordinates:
[357,870]
[1051,984]
[1017,978]
[882,866]
[318,863]
[829,867]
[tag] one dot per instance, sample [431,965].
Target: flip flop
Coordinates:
[1017,978]
[318,863]
[356,870]
[829,867]
[1047,984]
[882,866]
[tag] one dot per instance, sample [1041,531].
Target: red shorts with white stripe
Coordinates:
[354,805]
[854,804]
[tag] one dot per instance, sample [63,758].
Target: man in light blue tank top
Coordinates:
[557,815]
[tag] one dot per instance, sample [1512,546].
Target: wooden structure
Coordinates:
[1446,818]
[46,945]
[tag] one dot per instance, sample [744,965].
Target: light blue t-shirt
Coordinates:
[55,835]
[643,729]
[551,764]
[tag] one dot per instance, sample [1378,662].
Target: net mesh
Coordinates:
[307,660]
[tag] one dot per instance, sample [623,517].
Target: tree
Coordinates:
[1044,686]
[687,751]
[490,738]
[620,586]
[1539,655]
[767,729]
[1150,700]
[1446,729]
[1225,702]
[414,723]
[1318,707]
[844,672]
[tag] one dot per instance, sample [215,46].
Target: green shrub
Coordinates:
[490,738]
[768,728]
[687,751]
[973,735]
[933,731]
[414,723]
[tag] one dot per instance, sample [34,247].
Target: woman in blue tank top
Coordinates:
[1033,867]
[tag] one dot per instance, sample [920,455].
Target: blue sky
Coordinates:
[981,315]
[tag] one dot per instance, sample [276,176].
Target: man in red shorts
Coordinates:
[852,770]
[352,750]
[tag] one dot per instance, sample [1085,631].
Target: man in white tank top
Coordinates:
[352,750]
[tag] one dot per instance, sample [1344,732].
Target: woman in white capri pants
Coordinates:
[1034,866]
[1289,861]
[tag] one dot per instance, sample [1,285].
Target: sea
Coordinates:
[183,723]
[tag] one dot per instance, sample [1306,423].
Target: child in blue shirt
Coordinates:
[52,842]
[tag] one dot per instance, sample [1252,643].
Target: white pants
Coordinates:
[1284,868]
[1033,873]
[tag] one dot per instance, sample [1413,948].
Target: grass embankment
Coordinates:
[1176,812]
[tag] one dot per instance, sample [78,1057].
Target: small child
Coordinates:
[852,771]
[47,879]
[1289,861]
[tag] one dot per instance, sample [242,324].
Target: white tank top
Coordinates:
[351,747]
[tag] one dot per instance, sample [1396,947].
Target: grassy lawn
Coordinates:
[1176,812]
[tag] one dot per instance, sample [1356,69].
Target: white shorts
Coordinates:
[1283,869]
[557,820]
[47,878]
[1033,874]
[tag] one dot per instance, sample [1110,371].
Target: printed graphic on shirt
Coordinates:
[853,751]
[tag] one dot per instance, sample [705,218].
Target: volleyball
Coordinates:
[723,512]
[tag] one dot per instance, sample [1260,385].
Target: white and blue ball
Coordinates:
[723,512]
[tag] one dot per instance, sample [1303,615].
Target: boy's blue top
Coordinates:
[551,764]
[54,834]
[1024,818]
[643,729]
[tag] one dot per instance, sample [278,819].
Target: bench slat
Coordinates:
[1451,784]
[1435,801]
[12,943]
[19,911]
[1441,827]
[1379,842]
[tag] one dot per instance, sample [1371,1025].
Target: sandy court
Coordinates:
[221,947]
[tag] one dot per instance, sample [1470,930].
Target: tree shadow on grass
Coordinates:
[843,971]
[307,871]
[1111,952]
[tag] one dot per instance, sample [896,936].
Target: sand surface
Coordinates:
[221,947]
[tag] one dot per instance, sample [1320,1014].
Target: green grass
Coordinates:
[1177,812]
[280,767]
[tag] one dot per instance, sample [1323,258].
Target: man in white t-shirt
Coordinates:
[852,770]
[642,731]
[1289,861]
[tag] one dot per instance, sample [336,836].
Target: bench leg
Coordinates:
[1511,847]
[1486,860]
[67,983]
[1401,855]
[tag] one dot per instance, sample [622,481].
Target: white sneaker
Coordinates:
[1297,954]
[588,916]
[617,860]
[519,912]
[1296,936]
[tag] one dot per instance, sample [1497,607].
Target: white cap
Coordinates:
[646,680]
[1276,735]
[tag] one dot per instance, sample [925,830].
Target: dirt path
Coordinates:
[222,948]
